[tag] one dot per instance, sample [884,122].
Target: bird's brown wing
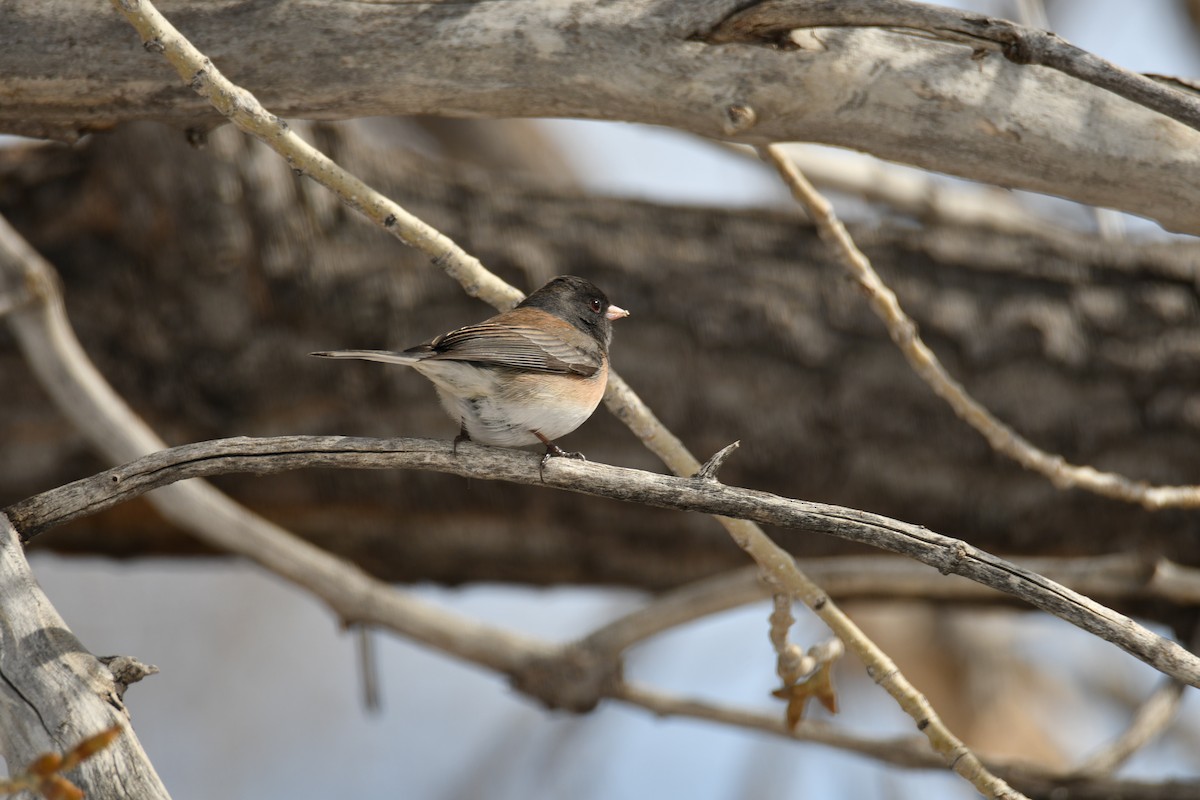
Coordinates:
[552,346]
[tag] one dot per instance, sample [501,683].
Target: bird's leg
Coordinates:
[463,436]
[553,451]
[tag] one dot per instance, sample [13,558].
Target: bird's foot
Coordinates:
[463,436]
[554,451]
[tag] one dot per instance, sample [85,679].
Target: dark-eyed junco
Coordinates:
[529,375]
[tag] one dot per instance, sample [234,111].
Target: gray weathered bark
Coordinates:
[900,96]
[199,281]
[54,693]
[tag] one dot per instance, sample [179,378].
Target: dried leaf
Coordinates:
[819,685]
[56,787]
[45,765]
[90,746]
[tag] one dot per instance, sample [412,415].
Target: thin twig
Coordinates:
[240,107]
[913,191]
[368,667]
[771,20]
[888,579]
[1152,718]
[903,332]
[904,752]
[787,656]
[697,600]
[909,751]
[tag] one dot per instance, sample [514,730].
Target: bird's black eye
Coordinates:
[596,305]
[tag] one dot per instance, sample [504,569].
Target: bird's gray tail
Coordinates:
[383,356]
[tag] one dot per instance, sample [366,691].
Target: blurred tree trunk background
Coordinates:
[199,279]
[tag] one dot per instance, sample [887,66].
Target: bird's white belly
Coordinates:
[507,414]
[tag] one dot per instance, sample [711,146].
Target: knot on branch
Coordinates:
[1018,51]
[1030,47]
[739,118]
[574,679]
[126,670]
[953,555]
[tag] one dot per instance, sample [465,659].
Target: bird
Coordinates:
[526,376]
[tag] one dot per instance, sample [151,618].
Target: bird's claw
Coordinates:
[554,451]
[463,436]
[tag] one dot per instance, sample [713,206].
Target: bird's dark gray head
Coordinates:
[579,302]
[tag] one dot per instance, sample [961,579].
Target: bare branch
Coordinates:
[915,192]
[267,455]
[1152,718]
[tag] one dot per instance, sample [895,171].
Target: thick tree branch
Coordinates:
[921,102]
[263,456]
[774,20]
